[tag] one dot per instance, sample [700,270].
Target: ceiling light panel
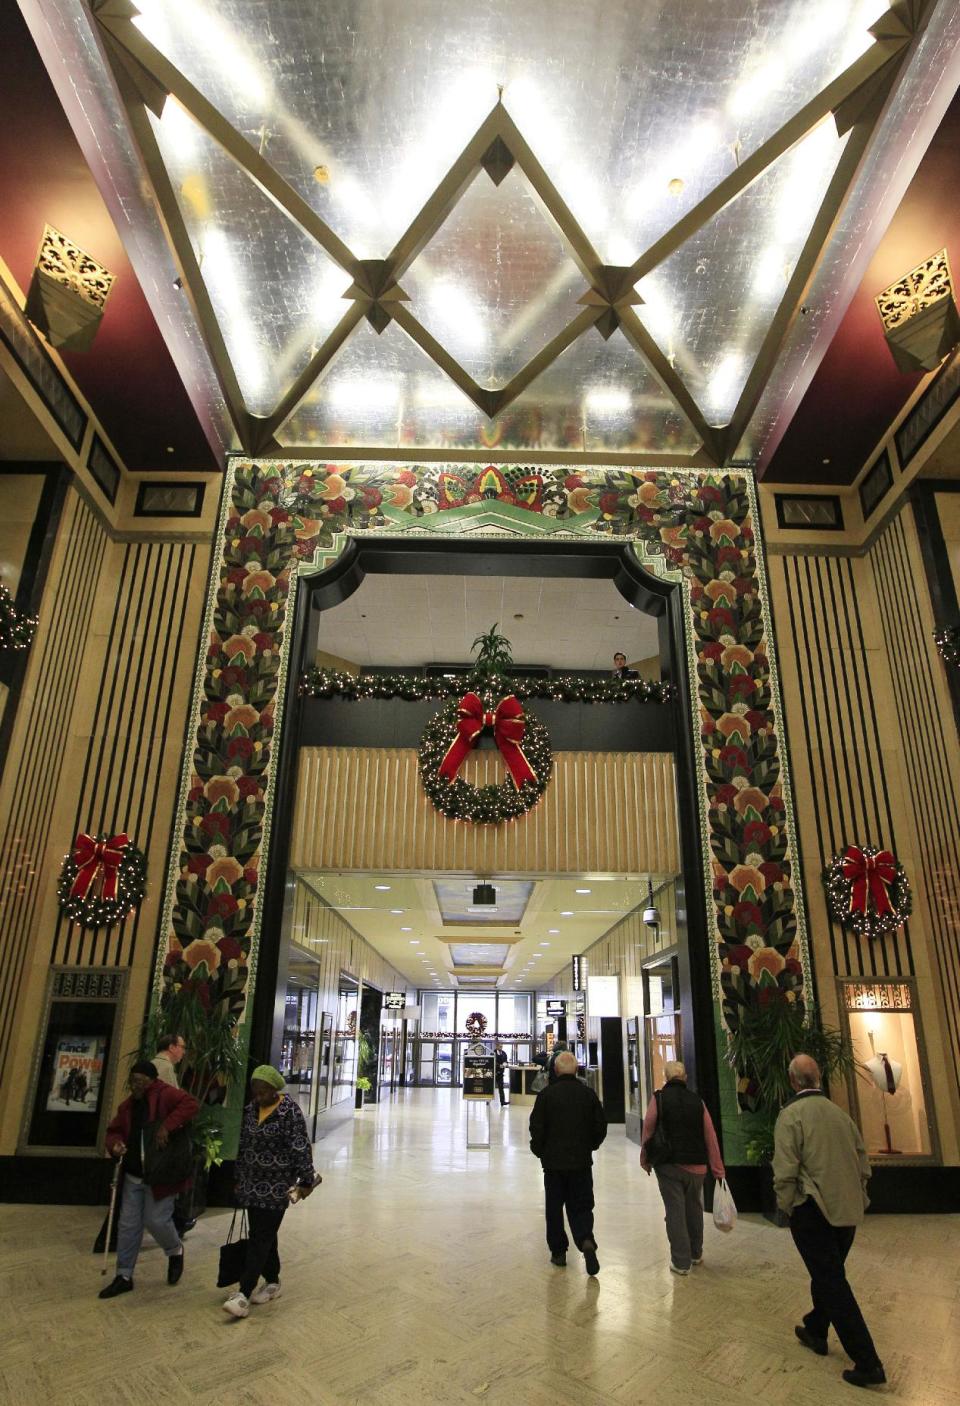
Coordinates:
[275,293]
[496,282]
[711,303]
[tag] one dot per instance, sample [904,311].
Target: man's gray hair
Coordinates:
[674,1069]
[566,1062]
[804,1072]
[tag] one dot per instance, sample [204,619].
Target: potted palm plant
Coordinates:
[767,1037]
[212,1064]
[494,652]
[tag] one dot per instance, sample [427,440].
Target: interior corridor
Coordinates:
[418,1273]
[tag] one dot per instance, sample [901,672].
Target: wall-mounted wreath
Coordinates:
[450,736]
[475,1024]
[102,880]
[868,890]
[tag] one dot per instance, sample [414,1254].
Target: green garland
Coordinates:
[415,688]
[486,805]
[95,911]
[947,641]
[16,628]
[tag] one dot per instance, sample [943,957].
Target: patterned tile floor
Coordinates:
[418,1274]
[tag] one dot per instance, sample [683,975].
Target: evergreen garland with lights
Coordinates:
[868,922]
[416,688]
[16,628]
[947,641]
[483,805]
[93,910]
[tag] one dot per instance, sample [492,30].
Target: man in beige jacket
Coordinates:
[170,1051]
[820,1175]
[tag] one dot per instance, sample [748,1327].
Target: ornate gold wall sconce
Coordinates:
[919,316]
[68,292]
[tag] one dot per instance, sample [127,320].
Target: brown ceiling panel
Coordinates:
[128,376]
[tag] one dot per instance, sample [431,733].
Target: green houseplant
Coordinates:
[760,1049]
[495,652]
[364,1085]
[212,1065]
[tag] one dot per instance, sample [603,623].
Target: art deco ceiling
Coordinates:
[545,227]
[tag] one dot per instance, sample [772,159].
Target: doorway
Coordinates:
[316,726]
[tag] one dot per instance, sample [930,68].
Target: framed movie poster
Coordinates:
[77,1074]
[75,1057]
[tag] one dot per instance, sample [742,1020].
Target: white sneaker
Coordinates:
[238,1305]
[674,1269]
[265,1293]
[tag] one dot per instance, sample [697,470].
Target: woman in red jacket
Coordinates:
[139,1132]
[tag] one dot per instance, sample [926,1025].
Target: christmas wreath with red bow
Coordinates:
[102,880]
[450,736]
[868,890]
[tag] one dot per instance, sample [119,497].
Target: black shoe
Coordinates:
[865,1376]
[119,1286]
[174,1268]
[589,1248]
[817,1345]
[559,1259]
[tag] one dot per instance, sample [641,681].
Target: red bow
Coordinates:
[869,872]
[508,729]
[94,857]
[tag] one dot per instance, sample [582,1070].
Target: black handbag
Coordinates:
[233,1254]
[170,1165]
[657,1147]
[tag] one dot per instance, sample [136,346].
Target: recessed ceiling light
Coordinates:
[553,931]
[544,944]
[414,941]
[568,913]
[397,912]
[385,888]
[583,890]
[406,929]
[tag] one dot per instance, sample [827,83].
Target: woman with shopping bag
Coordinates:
[679,1141]
[274,1169]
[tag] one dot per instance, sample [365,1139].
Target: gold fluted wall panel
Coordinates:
[604,812]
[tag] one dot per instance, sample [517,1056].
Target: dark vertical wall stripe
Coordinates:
[34,785]
[926,747]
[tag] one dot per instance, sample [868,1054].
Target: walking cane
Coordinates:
[113,1204]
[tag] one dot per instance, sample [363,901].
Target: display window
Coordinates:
[890,1084]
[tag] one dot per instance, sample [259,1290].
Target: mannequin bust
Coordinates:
[885,1072]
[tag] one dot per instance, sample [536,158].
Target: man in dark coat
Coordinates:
[139,1132]
[567,1126]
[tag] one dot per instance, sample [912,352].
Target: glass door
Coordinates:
[661,1022]
[345,1040]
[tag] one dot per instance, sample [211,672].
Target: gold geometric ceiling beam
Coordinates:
[788,309]
[641,341]
[187,267]
[858,113]
[809,116]
[547,355]
[265,427]
[279,191]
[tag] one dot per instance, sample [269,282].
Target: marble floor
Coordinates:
[418,1273]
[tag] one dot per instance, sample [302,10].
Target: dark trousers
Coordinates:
[682,1194]
[503,1097]
[824,1248]
[263,1256]
[573,1192]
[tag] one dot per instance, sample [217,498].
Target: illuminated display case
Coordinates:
[890,1087]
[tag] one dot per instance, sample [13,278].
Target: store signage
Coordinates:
[394,1000]
[556,1008]
[578,982]
[479,1076]
[603,995]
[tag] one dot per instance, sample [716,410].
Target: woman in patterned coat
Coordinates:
[273,1160]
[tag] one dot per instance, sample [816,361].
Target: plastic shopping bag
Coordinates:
[724,1209]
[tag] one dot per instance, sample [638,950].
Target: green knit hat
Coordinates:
[268,1075]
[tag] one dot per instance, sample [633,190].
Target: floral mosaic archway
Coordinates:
[278,518]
